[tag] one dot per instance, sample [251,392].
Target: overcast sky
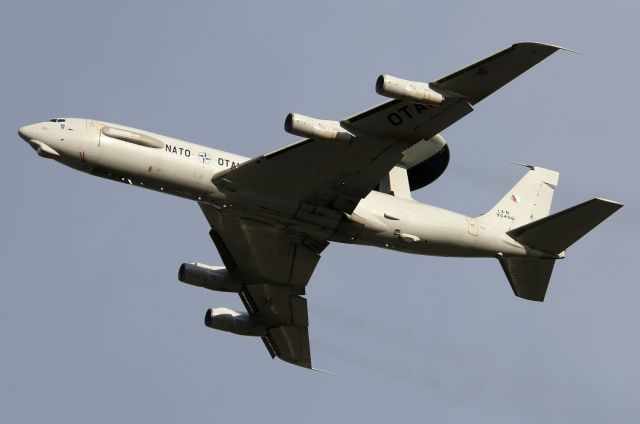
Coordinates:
[94,326]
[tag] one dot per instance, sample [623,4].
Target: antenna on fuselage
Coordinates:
[531,167]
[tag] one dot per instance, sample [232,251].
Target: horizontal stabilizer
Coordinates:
[529,277]
[555,233]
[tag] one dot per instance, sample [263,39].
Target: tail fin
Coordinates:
[555,233]
[528,200]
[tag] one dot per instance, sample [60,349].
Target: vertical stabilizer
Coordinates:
[396,183]
[528,200]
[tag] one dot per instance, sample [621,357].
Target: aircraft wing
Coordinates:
[278,266]
[338,174]
[479,80]
[284,206]
[288,338]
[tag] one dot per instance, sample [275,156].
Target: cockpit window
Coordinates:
[57,120]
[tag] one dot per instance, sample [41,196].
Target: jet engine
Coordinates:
[415,92]
[226,319]
[210,277]
[305,126]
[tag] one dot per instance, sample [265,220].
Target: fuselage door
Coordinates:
[90,149]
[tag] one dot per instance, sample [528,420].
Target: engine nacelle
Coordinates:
[415,92]
[305,126]
[226,319]
[210,277]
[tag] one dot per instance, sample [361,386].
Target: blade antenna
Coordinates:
[531,167]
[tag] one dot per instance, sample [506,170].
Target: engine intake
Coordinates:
[226,319]
[210,277]
[412,91]
[305,126]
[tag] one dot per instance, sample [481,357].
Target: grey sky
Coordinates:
[96,328]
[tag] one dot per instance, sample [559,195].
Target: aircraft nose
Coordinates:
[27,133]
[33,134]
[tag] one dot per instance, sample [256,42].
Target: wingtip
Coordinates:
[531,167]
[323,371]
[553,46]
[618,205]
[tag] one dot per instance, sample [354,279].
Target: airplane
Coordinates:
[347,181]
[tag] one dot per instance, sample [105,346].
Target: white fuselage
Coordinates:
[185,169]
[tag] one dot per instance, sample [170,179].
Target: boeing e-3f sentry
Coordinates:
[347,181]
